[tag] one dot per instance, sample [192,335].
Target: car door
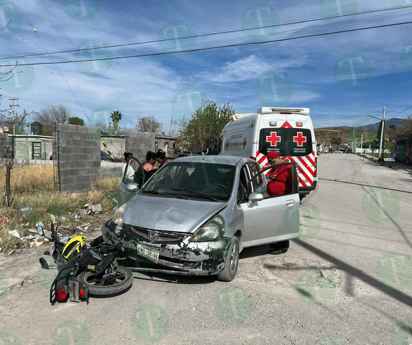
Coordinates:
[272,219]
[124,194]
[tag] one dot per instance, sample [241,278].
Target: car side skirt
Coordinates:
[269,240]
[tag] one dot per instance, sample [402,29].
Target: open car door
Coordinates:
[130,186]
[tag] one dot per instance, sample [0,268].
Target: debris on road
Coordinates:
[4,220]
[83,212]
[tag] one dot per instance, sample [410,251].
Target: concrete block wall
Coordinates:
[5,149]
[139,143]
[78,158]
[116,145]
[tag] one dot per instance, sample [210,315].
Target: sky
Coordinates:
[341,77]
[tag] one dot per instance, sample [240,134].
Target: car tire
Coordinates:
[231,262]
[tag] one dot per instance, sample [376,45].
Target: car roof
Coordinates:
[228,160]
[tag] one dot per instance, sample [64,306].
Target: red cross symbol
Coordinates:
[244,143]
[300,139]
[273,138]
[227,144]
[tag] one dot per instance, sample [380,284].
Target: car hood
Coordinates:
[178,215]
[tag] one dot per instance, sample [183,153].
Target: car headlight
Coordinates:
[118,215]
[210,231]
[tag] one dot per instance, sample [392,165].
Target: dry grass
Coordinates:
[28,178]
[33,186]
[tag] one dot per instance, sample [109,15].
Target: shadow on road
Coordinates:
[364,185]
[354,272]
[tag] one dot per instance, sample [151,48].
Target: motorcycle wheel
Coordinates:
[124,280]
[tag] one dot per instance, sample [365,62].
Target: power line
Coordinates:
[35,31]
[216,32]
[216,47]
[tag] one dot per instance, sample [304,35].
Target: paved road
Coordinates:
[348,278]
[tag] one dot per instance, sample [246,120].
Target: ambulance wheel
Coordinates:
[116,285]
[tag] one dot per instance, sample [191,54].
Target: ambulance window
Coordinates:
[287,141]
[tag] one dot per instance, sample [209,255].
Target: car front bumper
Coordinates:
[175,257]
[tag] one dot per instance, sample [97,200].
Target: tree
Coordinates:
[116,117]
[337,141]
[206,124]
[53,114]
[148,124]
[18,121]
[76,121]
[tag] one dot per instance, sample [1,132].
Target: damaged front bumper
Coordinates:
[171,253]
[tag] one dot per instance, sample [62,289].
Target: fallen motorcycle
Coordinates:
[85,269]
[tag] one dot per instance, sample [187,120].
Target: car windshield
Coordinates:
[192,180]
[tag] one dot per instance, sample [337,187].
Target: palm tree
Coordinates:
[116,117]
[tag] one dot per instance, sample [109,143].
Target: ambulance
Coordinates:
[287,131]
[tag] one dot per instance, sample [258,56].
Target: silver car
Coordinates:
[196,214]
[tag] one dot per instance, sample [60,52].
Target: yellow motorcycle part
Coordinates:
[74,246]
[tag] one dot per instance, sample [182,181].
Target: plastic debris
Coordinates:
[62,219]
[82,212]
[30,237]
[52,217]
[39,228]
[4,220]
[14,233]
[39,242]
[93,208]
[25,209]
[11,252]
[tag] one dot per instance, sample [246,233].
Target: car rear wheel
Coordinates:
[231,262]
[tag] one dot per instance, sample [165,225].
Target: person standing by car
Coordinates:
[160,159]
[130,171]
[280,178]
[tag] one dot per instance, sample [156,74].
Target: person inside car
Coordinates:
[280,178]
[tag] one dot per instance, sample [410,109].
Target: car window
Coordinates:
[254,171]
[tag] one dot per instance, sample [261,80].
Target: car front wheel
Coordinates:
[231,262]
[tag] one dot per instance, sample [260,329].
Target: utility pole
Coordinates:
[381,155]
[12,110]
[361,143]
[171,122]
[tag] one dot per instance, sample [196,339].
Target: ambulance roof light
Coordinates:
[270,110]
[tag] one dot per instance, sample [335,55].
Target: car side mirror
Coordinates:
[132,187]
[255,196]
